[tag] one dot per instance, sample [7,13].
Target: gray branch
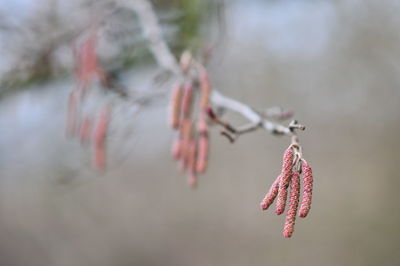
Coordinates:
[165,59]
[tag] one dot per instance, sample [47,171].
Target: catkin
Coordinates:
[203,147]
[186,107]
[175,105]
[285,180]
[307,191]
[192,179]
[293,205]
[202,144]
[205,89]
[176,148]
[271,195]
[185,133]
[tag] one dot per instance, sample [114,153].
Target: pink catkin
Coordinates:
[192,179]
[87,60]
[202,123]
[202,158]
[175,105]
[307,191]
[205,89]
[185,135]
[99,139]
[176,148]
[285,180]
[271,195]
[187,98]
[202,144]
[293,205]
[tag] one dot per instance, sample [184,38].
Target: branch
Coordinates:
[152,32]
[165,58]
[224,102]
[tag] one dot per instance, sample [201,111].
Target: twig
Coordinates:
[167,60]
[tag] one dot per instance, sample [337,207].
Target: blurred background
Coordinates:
[336,63]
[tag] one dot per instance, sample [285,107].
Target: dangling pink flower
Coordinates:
[176,148]
[71,114]
[202,159]
[293,205]
[192,179]
[285,180]
[175,106]
[187,99]
[271,195]
[307,191]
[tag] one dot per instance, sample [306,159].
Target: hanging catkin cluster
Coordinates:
[187,116]
[89,128]
[293,166]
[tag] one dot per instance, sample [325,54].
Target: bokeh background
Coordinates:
[336,63]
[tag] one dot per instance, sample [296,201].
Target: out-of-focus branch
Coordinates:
[153,34]
[253,116]
[167,60]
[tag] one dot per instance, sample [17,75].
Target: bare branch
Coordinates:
[152,32]
[167,60]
